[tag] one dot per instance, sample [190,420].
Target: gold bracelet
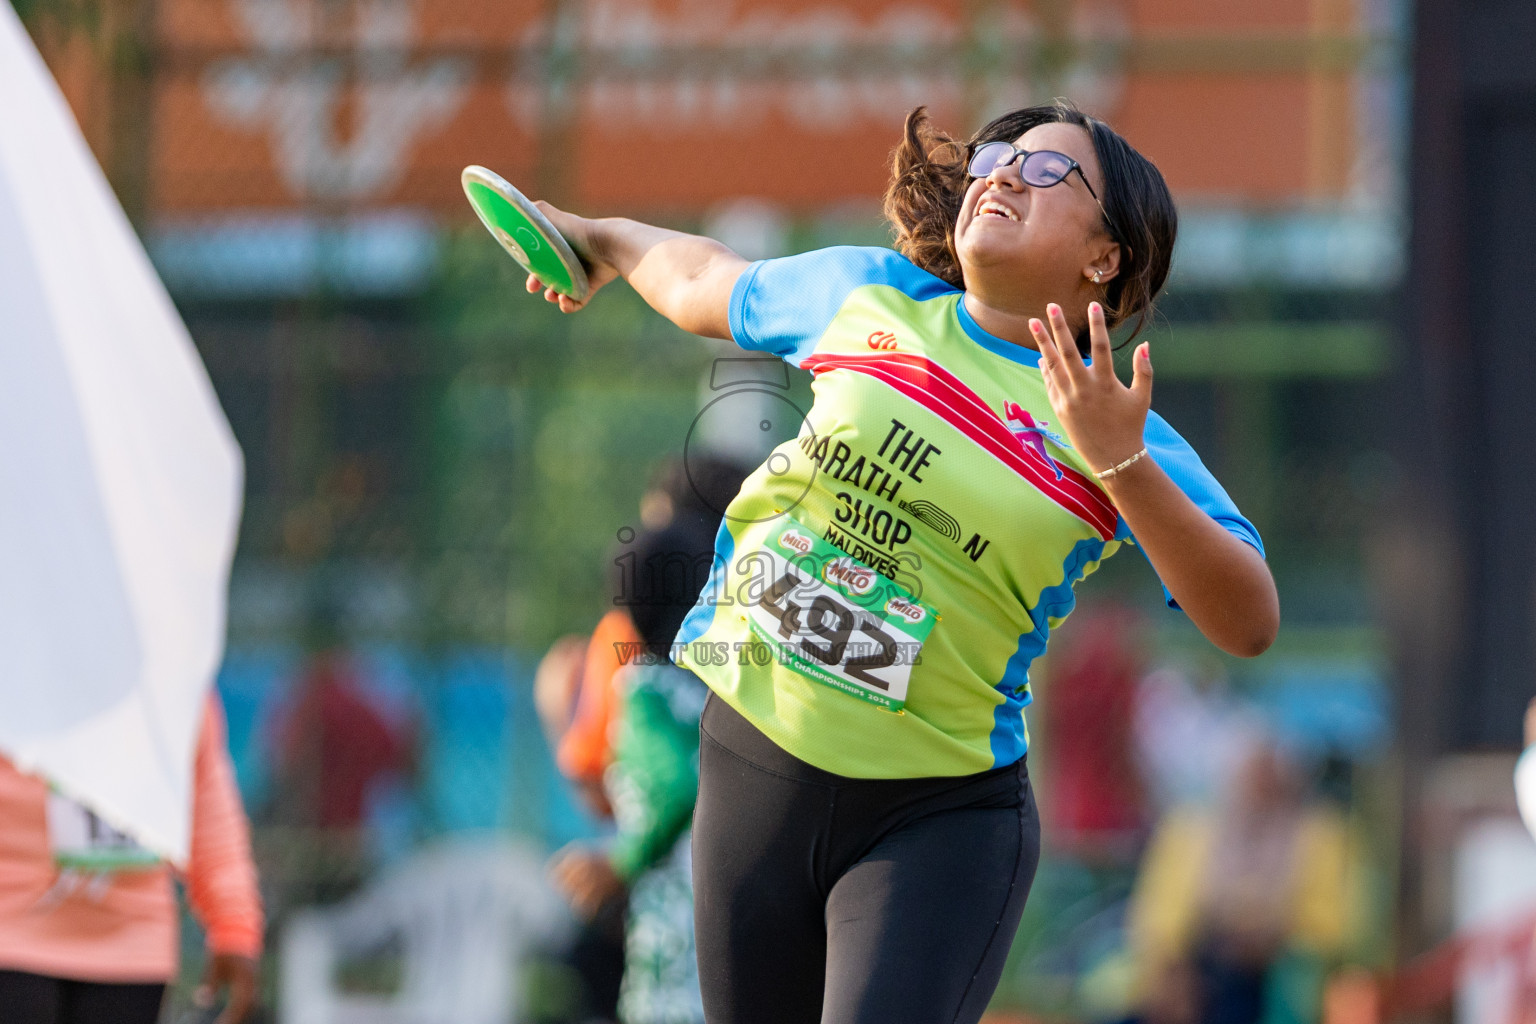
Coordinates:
[1115,469]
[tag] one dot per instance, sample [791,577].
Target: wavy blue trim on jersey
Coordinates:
[1008,739]
[1056,602]
[702,614]
[785,305]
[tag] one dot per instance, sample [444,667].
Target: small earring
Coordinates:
[1095,277]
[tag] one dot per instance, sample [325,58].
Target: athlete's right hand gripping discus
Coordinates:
[524,232]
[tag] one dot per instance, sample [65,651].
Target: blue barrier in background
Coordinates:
[483,764]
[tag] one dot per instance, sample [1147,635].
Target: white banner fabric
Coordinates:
[120,483]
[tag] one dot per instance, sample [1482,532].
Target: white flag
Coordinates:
[119,484]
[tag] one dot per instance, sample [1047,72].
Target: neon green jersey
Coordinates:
[882,583]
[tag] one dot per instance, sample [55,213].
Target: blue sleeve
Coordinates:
[784,306]
[1184,468]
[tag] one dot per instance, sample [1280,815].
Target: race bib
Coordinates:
[836,620]
[81,841]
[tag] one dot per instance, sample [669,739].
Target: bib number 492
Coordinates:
[826,628]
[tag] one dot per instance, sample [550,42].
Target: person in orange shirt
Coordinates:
[585,750]
[657,581]
[98,945]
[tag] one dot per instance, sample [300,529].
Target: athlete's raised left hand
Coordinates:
[1102,417]
[1219,580]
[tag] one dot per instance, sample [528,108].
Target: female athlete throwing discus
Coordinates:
[865,833]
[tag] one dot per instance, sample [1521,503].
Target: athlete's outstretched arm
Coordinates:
[1221,582]
[686,278]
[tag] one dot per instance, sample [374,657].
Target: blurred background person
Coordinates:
[651,578]
[334,749]
[654,578]
[584,749]
[1524,1008]
[653,783]
[1095,811]
[557,684]
[596,954]
[1191,732]
[1240,907]
[89,921]
[1525,771]
[651,780]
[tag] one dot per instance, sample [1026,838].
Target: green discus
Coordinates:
[524,232]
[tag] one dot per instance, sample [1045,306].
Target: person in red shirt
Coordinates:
[333,745]
[1087,713]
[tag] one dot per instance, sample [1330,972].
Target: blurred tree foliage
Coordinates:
[102,52]
[82,13]
[542,433]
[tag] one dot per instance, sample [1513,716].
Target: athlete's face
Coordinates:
[1048,236]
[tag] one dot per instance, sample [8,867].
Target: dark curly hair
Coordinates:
[929,179]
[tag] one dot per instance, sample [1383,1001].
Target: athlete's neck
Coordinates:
[1008,322]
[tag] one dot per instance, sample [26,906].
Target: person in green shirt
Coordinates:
[653,780]
[652,786]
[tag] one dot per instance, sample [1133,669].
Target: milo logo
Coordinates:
[796,541]
[913,613]
[850,575]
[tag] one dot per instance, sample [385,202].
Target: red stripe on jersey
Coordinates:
[942,393]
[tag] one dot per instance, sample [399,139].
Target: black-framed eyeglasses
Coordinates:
[1041,168]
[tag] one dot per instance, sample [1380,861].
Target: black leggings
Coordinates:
[40,999]
[852,901]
